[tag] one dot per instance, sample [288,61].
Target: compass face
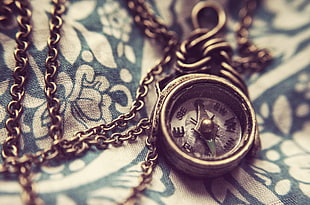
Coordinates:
[205,128]
[207,125]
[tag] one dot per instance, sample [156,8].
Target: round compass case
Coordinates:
[205,125]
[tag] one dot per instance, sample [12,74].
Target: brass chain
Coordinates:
[14,108]
[11,145]
[52,67]
[251,57]
[104,135]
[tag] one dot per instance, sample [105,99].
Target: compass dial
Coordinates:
[205,128]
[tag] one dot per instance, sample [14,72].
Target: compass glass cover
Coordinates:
[205,121]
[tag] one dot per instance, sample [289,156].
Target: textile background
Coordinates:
[103,56]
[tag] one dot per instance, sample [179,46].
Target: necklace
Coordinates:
[191,131]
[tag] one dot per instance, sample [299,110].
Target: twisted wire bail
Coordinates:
[204,51]
[204,48]
[203,56]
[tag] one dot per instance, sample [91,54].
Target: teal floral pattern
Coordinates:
[103,55]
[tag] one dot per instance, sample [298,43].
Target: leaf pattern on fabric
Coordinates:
[305,189]
[290,11]
[283,187]
[269,140]
[101,48]
[70,44]
[283,116]
[40,20]
[123,108]
[76,12]
[129,53]
[302,138]
[95,41]
[299,167]
[8,49]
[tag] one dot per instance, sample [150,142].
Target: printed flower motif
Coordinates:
[115,20]
[303,86]
[291,152]
[126,178]
[289,17]
[83,104]
[222,189]
[86,98]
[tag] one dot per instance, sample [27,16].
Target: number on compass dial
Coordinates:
[205,128]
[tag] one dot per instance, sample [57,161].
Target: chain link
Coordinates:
[102,136]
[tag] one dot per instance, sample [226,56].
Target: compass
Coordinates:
[205,125]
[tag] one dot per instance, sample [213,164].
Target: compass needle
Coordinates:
[211,146]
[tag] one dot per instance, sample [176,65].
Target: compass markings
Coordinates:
[220,109]
[187,147]
[231,124]
[181,113]
[194,121]
[229,144]
[178,131]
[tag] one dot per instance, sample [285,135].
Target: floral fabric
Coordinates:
[103,55]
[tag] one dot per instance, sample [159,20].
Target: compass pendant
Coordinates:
[203,120]
[205,125]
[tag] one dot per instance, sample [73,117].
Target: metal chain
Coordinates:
[29,194]
[73,147]
[11,145]
[150,24]
[52,67]
[252,57]
[82,140]
[101,136]
[17,91]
